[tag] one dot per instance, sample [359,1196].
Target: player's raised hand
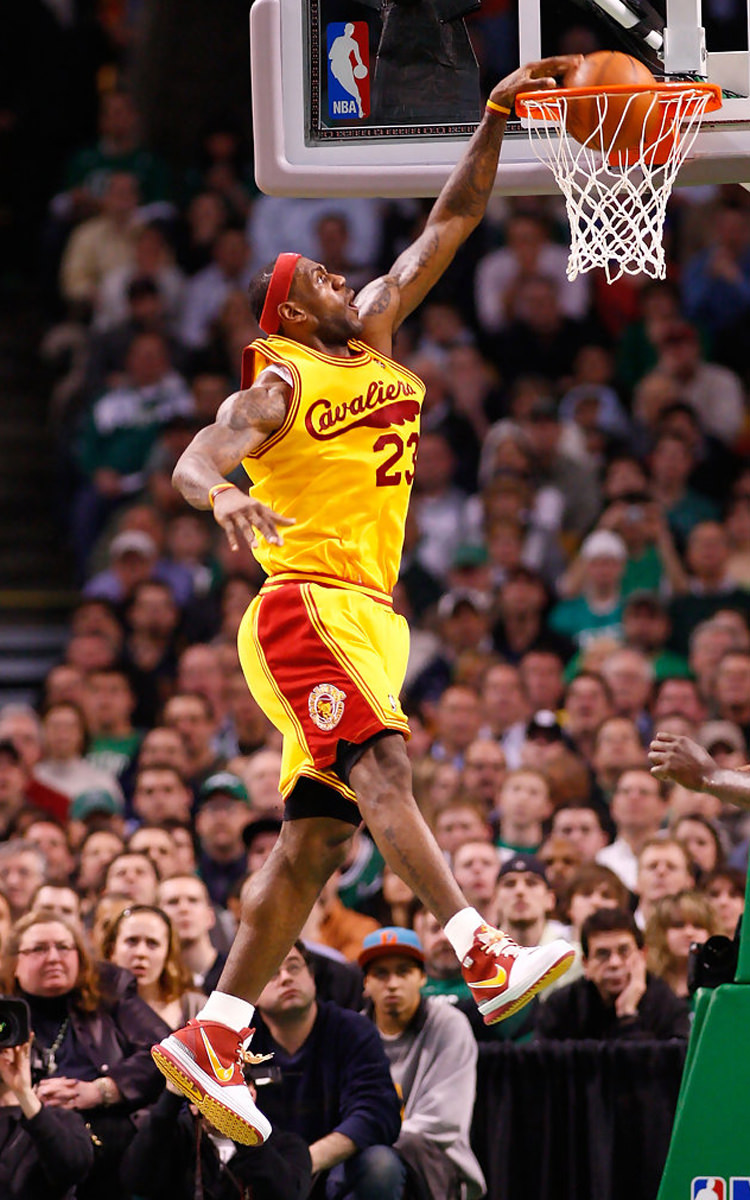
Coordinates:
[534,76]
[681,760]
[245,520]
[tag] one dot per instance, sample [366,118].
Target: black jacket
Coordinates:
[160,1162]
[577,1012]
[44,1157]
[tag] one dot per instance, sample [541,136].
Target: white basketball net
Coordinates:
[615,209]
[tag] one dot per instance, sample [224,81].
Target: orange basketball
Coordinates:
[625,115]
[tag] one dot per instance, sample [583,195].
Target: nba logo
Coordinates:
[708,1188]
[739,1188]
[348,70]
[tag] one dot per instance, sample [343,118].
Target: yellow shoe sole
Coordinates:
[221,1117]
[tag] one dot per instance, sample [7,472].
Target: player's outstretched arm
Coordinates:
[386,302]
[244,421]
[679,759]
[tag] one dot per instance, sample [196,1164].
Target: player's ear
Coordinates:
[292,313]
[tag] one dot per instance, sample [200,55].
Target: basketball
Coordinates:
[624,116]
[360,71]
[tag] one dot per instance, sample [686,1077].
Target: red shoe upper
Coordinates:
[216,1048]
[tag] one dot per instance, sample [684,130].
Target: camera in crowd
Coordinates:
[712,962]
[15,1026]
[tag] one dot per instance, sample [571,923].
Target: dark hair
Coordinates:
[597,678]
[588,878]
[733,876]
[609,920]
[133,854]
[258,289]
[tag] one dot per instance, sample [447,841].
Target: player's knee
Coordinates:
[383,774]
[322,843]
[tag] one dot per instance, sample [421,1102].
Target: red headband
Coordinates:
[278,290]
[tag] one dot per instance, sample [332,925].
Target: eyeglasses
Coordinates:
[47,947]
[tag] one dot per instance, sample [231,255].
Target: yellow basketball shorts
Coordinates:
[326,664]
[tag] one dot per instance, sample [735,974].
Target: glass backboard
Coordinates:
[378,97]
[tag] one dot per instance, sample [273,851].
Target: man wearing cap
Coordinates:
[223,812]
[327,425]
[328,1081]
[597,610]
[433,1057]
[524,901]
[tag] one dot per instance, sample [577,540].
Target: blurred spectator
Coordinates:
[100,244]
[702,840]
[663,870]
[260,837]
[560,859]
[93,1036]
[541,673]
[714,391]
[457,724]
[185,900]
[617,742]
[333,925]
[638,808]
[47,1149]
[119,433]
[587,703]
[223,811]
[330,1084]
[591,888]
[637,352]
[528,251]
[160,794]
[483,771]
[521,626]
[208,289]
[141,939]
[630,677]
[192,715]
[554,466]
[647,629]
[134,874]
[51,837]
[460,820]
[97,850]
[174,1146]
[725,891]
[524,902]
[672,463]
[63,765]
[23,868]
[597,610]
[674,925]
[732,689]
[580,824]
[432,1057]
[523,806]
[438,505]
[616,998]
[117,149]
[737,526]
[505,710]
[153,260]
[476,865]
[109,704]
[540,332]
[716,281]
[21,738]
[144,311]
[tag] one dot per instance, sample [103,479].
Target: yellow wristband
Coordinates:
[218,487]
[497,107]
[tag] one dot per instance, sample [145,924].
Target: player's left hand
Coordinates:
[535,76]
[678,758]
[245,519]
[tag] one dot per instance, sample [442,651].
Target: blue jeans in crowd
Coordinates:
[375,1174]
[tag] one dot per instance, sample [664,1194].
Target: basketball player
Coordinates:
[327,425]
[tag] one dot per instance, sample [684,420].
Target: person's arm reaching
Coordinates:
[244,421]
[679,759]
[386,302]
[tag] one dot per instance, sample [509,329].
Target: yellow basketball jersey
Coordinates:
[342,463]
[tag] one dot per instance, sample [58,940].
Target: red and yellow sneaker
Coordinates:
[504,976]
[204,1060]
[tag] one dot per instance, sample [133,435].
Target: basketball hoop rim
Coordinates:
[548,99]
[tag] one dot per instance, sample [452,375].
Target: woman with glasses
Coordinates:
[93,1035]
[142,940]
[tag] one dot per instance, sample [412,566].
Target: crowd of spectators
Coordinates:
[576,575]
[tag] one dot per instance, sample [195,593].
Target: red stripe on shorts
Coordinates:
[303,669]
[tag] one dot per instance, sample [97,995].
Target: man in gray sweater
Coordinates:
[433,1055]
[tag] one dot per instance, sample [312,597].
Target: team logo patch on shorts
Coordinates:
[326,706]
